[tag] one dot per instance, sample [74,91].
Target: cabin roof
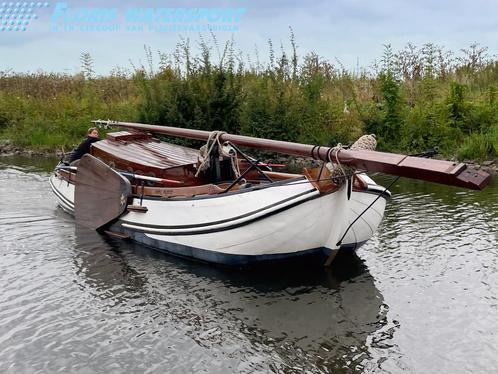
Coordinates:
[145,150]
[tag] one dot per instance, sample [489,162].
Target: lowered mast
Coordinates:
[438,171]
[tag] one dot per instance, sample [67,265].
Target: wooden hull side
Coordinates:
[291,220]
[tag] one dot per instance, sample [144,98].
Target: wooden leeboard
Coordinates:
[101,193]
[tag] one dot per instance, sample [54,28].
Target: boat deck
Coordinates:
[141,153]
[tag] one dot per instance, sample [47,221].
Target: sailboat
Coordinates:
[223,206]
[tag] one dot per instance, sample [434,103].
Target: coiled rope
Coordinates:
[224,150]
[340,173]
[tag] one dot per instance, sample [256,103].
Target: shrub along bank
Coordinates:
[413,99]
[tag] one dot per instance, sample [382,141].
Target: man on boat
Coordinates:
[91,137]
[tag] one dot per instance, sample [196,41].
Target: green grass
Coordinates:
[480,146]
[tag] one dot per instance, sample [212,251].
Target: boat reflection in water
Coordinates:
[285,318]
[102,266]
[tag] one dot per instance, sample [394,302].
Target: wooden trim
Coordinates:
[116,234]
[137,208]
[207,189]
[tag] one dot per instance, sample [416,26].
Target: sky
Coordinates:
[351,31]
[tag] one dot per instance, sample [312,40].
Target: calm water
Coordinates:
[421,297]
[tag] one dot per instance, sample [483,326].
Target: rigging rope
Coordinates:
[340,173]
[427,154]
[224,150]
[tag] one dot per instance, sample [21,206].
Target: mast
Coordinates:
[438,171]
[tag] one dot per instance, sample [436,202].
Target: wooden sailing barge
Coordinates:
[224,206]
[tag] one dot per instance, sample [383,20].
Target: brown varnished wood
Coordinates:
[359,184]
[281,176]
[254,175]
[127,136]
[137,208]
[100,193]
[148,156]
[208,189]
[67,175]
[117,234]
[324,184]
[438,171]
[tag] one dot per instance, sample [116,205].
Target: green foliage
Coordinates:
[60,118]
[418,98]
[479,147]
[388,129]
[204,96]
[270,111]
[457,107]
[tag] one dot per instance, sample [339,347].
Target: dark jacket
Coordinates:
[83,148]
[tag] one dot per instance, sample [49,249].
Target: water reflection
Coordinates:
[100,264]
[304,319]
[29,164]
[435,259]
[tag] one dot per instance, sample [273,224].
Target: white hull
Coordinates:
[285,220]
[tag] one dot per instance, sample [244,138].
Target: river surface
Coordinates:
[421,297]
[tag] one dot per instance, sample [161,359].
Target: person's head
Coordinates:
[93,132]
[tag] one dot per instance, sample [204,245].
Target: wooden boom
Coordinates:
[439,171]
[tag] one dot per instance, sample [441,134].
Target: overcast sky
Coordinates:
[349,30]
